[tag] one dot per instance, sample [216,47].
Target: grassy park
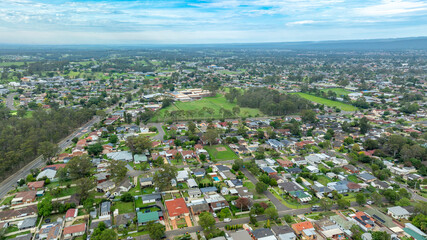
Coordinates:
[338,91]
[220,153]
[327,102]
[213,103]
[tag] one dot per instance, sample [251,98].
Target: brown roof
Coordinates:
[352,185]
[28,195]
[176,207]
[75,229]
[8,214]
[38,184]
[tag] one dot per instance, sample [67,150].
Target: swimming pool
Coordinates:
[216,179]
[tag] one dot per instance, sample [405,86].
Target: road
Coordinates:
[279,205]
[10,182]
[9,101]
[159,128]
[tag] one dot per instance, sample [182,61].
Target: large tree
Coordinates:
[211,135]
[95,149]
[206,221]
[84,186]
[138,144]
[261,187]
[326,203]
[118,170]
[79,167]
[44,207]
[162,178]
[308,116]
[48,150]
[156,230]
[271,213]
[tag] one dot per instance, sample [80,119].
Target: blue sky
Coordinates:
[210,21]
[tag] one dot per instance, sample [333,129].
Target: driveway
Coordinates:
[159,128]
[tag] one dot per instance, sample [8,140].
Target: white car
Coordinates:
[227,220]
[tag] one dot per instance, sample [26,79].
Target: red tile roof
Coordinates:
[302,226]
[71,213]
[75,229]
[38,184]
[176,207]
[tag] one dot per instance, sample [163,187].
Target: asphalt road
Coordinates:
[279,205]
[9,101]
[159,128]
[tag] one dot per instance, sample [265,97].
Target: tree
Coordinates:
[238,163]
[102,233]
[343,204]
[84,186]
[126,197]
[242,203]
[364,125]
[95,149]
[224,213]
[118,170]
[156,230]
[272,213]
[75,140]
[113,139]
[361,199]
[326,204]
[45,207]
[308,116]
[211,135]
[162,179]
[138,144]
[79,167]
[261,187]
[48,150]
[206,221]
[378,235]
[377,198]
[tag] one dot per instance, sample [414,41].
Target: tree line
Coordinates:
[272,102]
[21,139]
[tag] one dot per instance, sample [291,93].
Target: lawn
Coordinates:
[215,103]
[338,91]
[353,178]
[323,180]
[7,201]
[8,64]
[216,155]
[124,207]
[327,102]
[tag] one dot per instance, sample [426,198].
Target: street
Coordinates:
[9,101]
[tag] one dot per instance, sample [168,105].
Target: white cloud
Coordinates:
[303,22]
[392,7]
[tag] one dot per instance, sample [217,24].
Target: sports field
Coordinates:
[338,91]
[327,102]
[221,153]
[213,103]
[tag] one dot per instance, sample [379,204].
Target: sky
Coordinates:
[209,21]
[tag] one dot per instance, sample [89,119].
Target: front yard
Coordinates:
[220,153]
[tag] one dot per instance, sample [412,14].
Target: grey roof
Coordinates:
[398,210]
[149,179]
[28,236]
[105,207]
[366,176]
[289,186]
[149,197]
[262,232]
[28,223]
[241,235]
[278,230]
[208,189]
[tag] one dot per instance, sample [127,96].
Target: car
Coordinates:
[214,214]
[227,220]
[47,220]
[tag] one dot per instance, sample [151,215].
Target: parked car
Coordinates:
[227,220]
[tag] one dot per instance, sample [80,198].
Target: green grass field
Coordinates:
[8,64]
[216,103]
[124,207]
[216,155]
[338,91]
[327,102]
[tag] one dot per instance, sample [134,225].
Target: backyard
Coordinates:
[221,153]
[124,207]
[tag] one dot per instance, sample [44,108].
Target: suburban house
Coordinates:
[364,221]
[398,212]
[150,198]
[177,209]
[35,185]
[263,234]
[300,227]
[74,231]
[145,182]
[200,207]
[144,218]
[105,209]
[71,214]
[194,193]
[351,168]
[24,197]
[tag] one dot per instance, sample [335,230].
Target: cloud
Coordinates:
[392,7]
[303,22]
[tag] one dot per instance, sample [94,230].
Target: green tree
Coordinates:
[118,170]
[326,203]
[126,197]
[360,199]
[48,150]
[206,221]
[44,208]
[156,230]
[84,186]
[271,213]
[95,149]
[211,135]
[138,144]
[162,178]
[113,139]
[364,125]
[308,116]
[261,187]
[79,167]
[378,235]
[343,204]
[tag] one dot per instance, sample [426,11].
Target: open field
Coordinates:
[8,64]
[220,153]
[214,103]
[338,91]
[327,102]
